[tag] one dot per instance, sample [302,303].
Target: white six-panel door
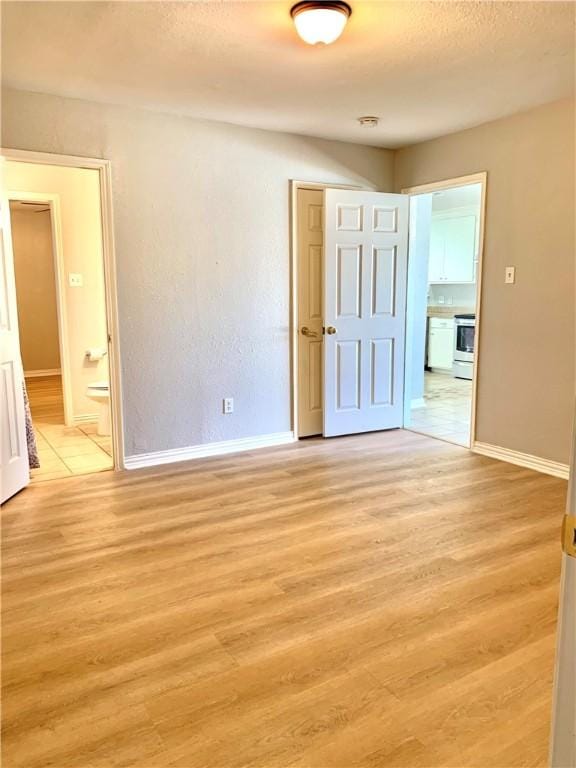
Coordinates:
[14,473]
[365,272]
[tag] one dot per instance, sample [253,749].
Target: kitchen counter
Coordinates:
[445,310]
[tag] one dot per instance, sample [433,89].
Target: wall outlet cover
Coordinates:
[75,280]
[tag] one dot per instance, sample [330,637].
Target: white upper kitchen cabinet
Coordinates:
[452,249]
[436,257]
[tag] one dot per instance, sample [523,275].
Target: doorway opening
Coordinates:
[72,436]
[443,307]
[60,359]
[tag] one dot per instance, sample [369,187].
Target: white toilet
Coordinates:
[99,392]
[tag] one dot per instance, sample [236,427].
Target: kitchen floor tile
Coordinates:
[447,411]
[90,463]
[86,448]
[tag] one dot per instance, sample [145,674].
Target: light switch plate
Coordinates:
[510,275]
[75,280]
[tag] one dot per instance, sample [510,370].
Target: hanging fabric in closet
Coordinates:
[33,459]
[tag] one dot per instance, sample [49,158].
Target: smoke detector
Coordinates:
[369,121]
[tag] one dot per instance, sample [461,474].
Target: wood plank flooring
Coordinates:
[377,600]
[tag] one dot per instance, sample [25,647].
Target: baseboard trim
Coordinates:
[85,417]
[546,466]
[42,372]
[208,449]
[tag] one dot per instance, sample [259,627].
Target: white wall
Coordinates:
[419,248]
[79,194]
[461,296]
[202,234]
[35,289]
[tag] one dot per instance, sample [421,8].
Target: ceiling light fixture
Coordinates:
[320,21]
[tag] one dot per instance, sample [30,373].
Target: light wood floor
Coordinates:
[378,600]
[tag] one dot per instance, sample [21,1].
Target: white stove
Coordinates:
[464,346]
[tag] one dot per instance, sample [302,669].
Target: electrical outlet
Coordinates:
[510,275]
[75,280]
[228,405]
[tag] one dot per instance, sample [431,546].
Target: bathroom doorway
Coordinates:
[62,301]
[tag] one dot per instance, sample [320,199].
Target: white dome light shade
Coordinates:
[320,22]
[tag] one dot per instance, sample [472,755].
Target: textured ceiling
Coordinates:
[426,68]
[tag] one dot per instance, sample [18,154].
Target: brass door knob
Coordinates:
[331,330]
[305,331]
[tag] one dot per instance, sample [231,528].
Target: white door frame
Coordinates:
[293,325]
[463,181]
[53,202]
[105,177]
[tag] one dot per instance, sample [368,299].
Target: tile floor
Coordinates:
[447,410]
[63,450]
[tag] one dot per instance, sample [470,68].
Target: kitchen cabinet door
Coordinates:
[441,348]
[436,254]
[459,249]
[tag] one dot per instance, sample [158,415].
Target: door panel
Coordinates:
[381,372]
[15,473]
[314,287]
[385,219]
[348,281]
[365,263]
[349,218]
[384,281]
[310,218]
[348,375]
[315,394]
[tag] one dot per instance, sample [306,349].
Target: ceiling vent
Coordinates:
[369,121]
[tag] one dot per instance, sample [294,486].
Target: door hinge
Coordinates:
[569,535]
